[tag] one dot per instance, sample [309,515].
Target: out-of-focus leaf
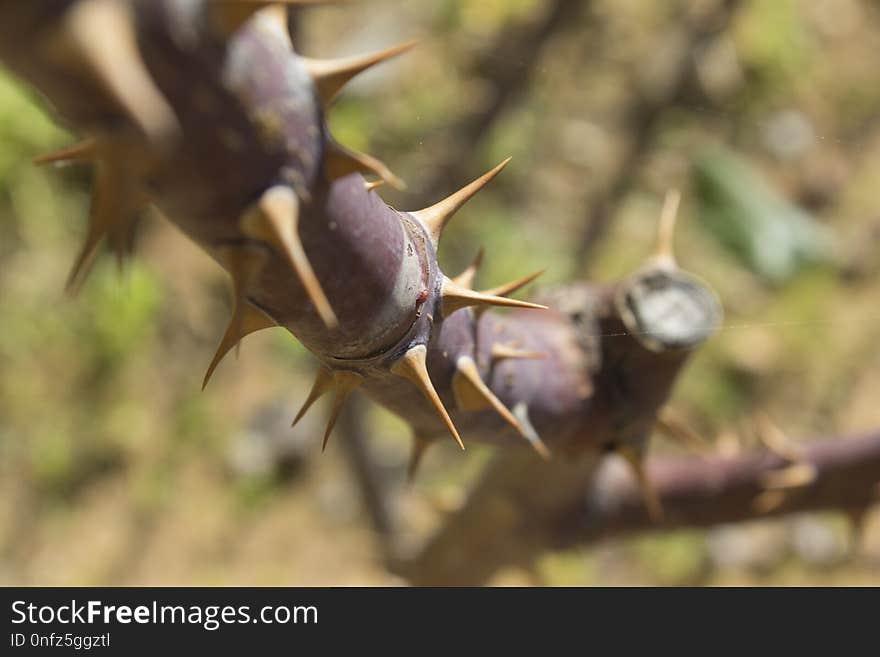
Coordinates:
[771,236]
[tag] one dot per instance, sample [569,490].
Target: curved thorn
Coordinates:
[276,221]
[244,265]
[521,412]
[331,75]
[344,383]
[413,366]
[456,297]
[652,502]
[437,216]
[322,385]
[340,161]
[370,186]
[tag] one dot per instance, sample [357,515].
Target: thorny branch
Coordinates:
[508,84]
[514,515]
[203,108]
[834,472]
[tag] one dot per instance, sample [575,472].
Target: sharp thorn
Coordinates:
[370,186]
[102,34]
[83,151]
[507,289]
[413,366]
[111,208]
[513,286]
[100,219]
[652,501]
[435,218]
[344,383]
[331,75]
[503,352]
[340,161]
[116,197]
[456,297]
[246,320]
[322,385]
[244,265]
[674,428]
[796,475]
[469,275]
[121,235]
[665,250]
[521,412]
[275,220]
[83,263]
[472,393]
[775,439]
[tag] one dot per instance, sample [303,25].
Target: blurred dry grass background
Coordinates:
[115,469]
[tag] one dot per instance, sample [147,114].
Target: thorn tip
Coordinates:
[456,297]
[323,384]
[653,505]
[331,75]
[438,215]
[413,366]
[344,383]
[472,393]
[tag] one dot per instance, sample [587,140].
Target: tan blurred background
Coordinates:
[115,469]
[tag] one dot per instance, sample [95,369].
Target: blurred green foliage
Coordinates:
[769,234]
